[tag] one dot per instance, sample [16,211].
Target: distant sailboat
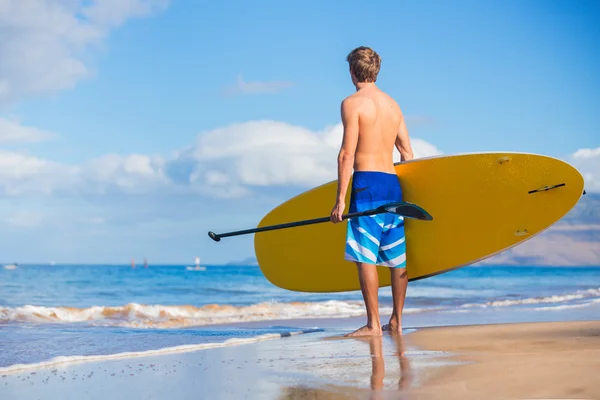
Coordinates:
[197,267]
[11,266]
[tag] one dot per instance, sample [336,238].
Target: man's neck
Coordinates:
[364,85]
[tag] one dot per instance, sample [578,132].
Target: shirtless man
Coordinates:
[373,126]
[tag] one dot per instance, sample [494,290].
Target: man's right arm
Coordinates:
[403,142]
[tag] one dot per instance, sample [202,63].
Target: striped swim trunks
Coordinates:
[375,239]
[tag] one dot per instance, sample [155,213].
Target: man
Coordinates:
[373,126]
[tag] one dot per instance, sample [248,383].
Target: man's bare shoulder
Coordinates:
[357,100]
[389,99]
[354,98]
[352,103]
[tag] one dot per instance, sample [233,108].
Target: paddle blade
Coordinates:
[408,210]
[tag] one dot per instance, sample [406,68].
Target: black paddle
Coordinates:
[402,208]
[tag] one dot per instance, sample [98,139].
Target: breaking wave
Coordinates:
[579,295]
[161,316]
[134,315]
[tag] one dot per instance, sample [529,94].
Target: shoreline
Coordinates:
[188,348]
[341,325]
[463,361]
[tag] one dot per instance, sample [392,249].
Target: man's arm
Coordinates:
[403,142]
[346,155]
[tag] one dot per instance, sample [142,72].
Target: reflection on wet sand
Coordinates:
[378,364]
[378,388]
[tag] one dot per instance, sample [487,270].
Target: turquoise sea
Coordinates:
[77,311]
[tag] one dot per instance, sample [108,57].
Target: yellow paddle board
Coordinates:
[481,204]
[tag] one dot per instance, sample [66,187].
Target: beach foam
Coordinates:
[135,315]
[590,294]
[567,306]
[167,350]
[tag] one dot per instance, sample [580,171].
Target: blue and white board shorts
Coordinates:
[375,239]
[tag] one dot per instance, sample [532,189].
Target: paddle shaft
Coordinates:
[216,236]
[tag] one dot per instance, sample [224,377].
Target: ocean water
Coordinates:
[67,312]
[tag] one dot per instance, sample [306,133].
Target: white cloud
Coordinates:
[45,42]
[586,153]
[254,87]
[421,149]
[112,13]
[227,162]
[248,152]
[22,174]
[14,132]
[135,172]
[266,153]
[25,219]
[587,161]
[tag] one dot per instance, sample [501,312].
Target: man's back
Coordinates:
[379,118]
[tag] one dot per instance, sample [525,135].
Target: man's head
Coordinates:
[364,64]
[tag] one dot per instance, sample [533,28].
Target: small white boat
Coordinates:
[10,266]
[197,267]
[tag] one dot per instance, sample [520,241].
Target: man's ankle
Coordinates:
[373,325]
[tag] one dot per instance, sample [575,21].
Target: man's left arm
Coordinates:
[345,156]
[403,142]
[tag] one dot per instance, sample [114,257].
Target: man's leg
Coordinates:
[369,286]
[362,244]
[399,279]
[392,253]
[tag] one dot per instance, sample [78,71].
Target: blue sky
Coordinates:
[129,129]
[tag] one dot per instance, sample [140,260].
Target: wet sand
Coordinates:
[504,361]
[558,360]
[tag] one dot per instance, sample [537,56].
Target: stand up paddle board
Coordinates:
[481,204]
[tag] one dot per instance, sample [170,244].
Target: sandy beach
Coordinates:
[516,361]
[493,361]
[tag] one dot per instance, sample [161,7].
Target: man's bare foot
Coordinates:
[393,327]
[365,331]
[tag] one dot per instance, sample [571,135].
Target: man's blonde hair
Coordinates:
[364,64]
